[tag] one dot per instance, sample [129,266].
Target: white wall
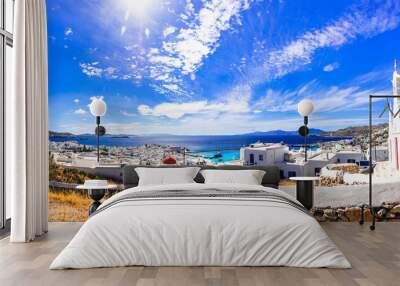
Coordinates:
[270,156]
[286,168]
[344,157]
[379,155]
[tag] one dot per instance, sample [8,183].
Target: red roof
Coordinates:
[169,160]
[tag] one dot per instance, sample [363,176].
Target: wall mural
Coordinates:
[187,82]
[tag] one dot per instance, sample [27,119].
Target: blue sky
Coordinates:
[218,66]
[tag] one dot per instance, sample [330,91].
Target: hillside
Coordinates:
[60,134]
[278,132]
[354,131]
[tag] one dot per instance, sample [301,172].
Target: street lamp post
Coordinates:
[305,108]
[98,108]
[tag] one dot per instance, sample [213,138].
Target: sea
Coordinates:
[204,145]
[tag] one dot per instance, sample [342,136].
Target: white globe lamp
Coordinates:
[305,107]
[98,108]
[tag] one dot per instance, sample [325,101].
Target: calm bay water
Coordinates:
[197,143]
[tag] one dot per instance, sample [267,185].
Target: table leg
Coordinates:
[93,206]
[305,193]
[96,196]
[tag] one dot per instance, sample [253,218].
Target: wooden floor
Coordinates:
[375,257]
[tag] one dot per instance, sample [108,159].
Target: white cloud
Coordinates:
[90,69]
[363,21]
[171,87]
[176,110]
[200,39]
[180,47]
[110,70]
[278,101]
[126,113]
[80,111]
[331,67]
[93,70]
[185,50]
[233,112]
[223,124]
[348,96]
[189,8]
[126,77]
[200,124]
[167,61]
[68,31]
[123,30]
[168,31]
[236,101]
[76,100]
[153,51]
[96,97]
[147,32]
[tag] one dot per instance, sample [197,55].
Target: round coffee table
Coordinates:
[305,190]
[96,193]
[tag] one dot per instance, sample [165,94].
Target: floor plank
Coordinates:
[375,257]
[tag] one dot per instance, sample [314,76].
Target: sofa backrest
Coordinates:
[271,178]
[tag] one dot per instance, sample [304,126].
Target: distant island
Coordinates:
[60,134]
[351,131]
[54,134]
[313,131]
[257,133]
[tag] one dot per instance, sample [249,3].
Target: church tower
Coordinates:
[394,123]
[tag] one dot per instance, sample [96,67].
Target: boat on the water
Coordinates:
[217,155]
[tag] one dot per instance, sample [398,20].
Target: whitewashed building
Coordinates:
[349,157]
[394,124]
[290,165]
[263,154]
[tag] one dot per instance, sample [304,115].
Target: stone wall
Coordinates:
[353,214]
[339,174]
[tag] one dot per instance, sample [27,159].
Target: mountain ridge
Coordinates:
[353,131]
[278,132]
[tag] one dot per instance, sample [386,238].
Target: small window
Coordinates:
[317,171]
[260,158]
[351,161]
[291,174]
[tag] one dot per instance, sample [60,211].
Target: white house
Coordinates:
[261,154]
[348,157]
